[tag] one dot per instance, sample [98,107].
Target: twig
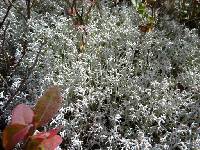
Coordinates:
[1,76]
[30,70]
[194,19]
[28,8]
[20,12]
[6,15]
[3,42]
[24,45]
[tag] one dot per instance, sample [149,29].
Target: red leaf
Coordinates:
[22,134]
[51,143]
[44,140]
[47,106]
[13,134]
[22,114]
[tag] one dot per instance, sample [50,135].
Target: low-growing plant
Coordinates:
[25,121]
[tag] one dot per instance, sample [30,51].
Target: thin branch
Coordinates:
[30,70]
[5,82]
[6,15]
[3,42]
[28,8]
[24,45]
[20,12]
[194,19]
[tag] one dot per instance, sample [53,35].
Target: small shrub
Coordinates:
[25,121]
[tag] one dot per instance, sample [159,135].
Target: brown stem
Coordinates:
[28,9]
[30,70]
[4,38]
[24,46]
[5,82]
[18,11]
[6,15]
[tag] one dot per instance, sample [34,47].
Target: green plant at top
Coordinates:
[80,12]
[148,17]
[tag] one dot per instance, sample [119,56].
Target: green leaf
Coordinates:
[33,144]
[151,19]
[141,8]
[47,106]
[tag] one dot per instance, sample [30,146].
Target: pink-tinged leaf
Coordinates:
[47,106]
[43,135]
[51,143]
[44,140]
[11,135]
[23,133]
[22,114]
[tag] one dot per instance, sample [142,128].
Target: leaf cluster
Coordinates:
[25,121]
